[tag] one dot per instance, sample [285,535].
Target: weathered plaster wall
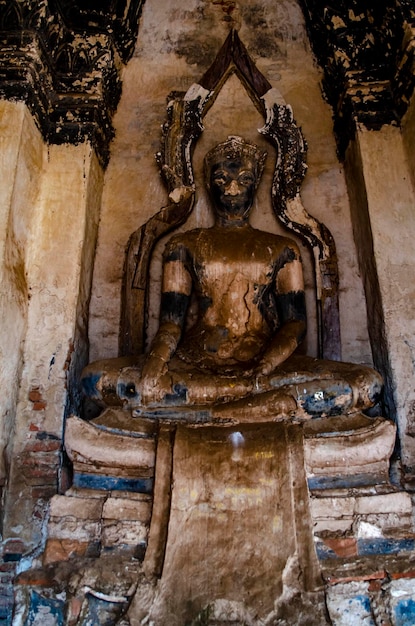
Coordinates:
[382,197]
[21,160]
[175,47]
[408,135]
[59,254]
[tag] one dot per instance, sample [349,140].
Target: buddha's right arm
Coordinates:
[154,375]
[155,367]
[165,341]
[175,298]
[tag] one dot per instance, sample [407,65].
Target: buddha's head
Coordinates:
[232,173]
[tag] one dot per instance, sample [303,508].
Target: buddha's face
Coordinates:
[232,186]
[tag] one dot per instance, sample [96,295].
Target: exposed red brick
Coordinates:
[68,359]
[75,606]
[29,465]
[343,547]
[375,585]
[14,546]
[63,549]
[39,406]
[47,445]
[44,492]
[408,574]
[35,577]
[39,463]
[33,427]
[43,470]
[35,395]
[42,480]
[8,567]
[381,574]
[39,458]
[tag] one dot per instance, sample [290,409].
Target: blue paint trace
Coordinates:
[364,601]
[103,612]
[113,483]
[380,545]
[324,552]
[342,482]
[325,401]
[358,608]
[404,613]
[52,609]
[89,385]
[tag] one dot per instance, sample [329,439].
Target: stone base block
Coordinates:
[107,456]
[124,509]
[64,549]
[125,524]
[349,451]
[83,526]
[360,516]
[362,526]
[74,528]
[123,535]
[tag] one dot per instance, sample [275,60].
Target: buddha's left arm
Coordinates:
[290,305]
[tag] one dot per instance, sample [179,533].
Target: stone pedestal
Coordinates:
[246,523]
[238,515]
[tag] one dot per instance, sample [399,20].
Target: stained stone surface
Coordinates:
[57,267]
[238,515]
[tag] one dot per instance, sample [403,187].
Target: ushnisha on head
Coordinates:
[232,172]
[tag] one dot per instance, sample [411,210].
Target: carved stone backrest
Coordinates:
[182,128]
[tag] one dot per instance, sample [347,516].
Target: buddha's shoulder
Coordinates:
[278,243]
[189,237]
[185,241]
[192,240]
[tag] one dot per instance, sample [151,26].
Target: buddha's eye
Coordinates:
[220,178]
[246,178]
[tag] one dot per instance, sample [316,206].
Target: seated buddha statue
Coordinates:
[238,358]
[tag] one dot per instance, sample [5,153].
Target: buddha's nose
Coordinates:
[232,189]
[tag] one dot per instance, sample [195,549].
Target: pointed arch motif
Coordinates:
[181,130]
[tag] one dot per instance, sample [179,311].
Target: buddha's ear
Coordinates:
[260,164]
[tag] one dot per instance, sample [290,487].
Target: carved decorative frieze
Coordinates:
[404,80]
[63,58]
[118,17]
[64,61]
[367,56]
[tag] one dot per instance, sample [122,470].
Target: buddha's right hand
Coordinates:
[155,382]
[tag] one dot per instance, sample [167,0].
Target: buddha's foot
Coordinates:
[264,407]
